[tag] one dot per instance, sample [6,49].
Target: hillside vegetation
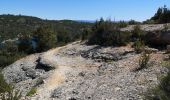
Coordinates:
[115,59]
[22,35]
[13,25]
[161,16]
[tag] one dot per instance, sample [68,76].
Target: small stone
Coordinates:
[117,89]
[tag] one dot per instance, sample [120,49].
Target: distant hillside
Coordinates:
[12,25]
[86,21]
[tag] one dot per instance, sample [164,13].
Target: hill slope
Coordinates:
[12,25]
[85,73]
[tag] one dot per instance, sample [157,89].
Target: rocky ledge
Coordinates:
[81,72]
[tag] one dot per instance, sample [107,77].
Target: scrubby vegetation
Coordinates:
[162,91]
[139,46]
[32,91]
[7,92]
[13,25]
[23,35]
[9,53]
[143,61]
[162,16]
[133,22]
[137,33]
[44,39]
[85,34]
[107,33]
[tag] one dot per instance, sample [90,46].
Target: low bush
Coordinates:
[133,22]
[8,58]
[85,34]
[106,33]
[44,38]
[139,46]
[32,91]
[9,53]
[143,61]
[7,92]
[162,91]
[122,24]
[137,33]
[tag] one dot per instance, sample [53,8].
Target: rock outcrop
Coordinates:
[78,72]
[158,38]
[154,35]
[27,72]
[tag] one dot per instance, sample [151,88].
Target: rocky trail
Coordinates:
[80,72]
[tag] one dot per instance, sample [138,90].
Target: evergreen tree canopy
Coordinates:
[162,15]
[45,39]
[107,33]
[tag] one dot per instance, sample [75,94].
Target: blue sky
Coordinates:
[83,9]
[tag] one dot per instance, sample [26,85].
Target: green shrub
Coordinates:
[7,92]
[3,85]
[25,44]
[64,37]
[162,91]
[85,34]
[122,24]
[121,38]
[106,33]
[143,61]
[162,15]
[32,91]
[133,22]
[149,22]
[45,39]
[7,58]
[137,32]
[139,46]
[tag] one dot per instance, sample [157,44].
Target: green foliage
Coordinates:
[143,61]
[137,33]
[32,91]
[9,47]
[25,44]
[27,29]
[121,38]
[64,37]
[133,22]
[8,54]
[7,59]
[122,24]
[85,34]
[162,15]
[107,33]
[45,39]
[13,25]
[3,85]
[149,22]
[7,92]
[139,46]
[162,91]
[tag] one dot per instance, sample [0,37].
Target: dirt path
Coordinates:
[57,77]
[63,65]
